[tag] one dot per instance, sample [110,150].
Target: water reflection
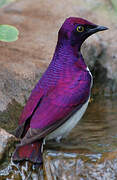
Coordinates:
[97,130]
[95,134]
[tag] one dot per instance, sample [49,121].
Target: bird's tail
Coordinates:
[31,152]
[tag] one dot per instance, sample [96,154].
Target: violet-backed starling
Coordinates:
[61,96]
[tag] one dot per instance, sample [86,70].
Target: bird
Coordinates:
[61,96]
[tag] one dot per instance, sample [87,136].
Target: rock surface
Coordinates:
[80,166]
[22,62]
[6,140]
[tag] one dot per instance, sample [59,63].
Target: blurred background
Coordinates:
[23,62]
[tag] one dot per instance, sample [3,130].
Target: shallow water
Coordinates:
[94,135]
[97,130]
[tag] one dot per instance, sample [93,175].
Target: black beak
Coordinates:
[100,28]
[96,29]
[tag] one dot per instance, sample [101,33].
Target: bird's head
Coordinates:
[76,30]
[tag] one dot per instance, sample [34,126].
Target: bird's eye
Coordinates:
[80,28]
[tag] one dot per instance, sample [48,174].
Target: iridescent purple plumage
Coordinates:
[63,89]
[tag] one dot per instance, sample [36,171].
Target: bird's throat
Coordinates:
[68,55]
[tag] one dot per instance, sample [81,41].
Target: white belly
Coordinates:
[64,129]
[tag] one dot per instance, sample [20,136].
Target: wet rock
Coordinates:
[6,141]
[79,166]
[21,171]
[90,150]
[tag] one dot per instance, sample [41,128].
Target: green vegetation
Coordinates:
[3,2]
[8,33]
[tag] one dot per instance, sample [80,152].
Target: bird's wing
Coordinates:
[56,107]
[32,102]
